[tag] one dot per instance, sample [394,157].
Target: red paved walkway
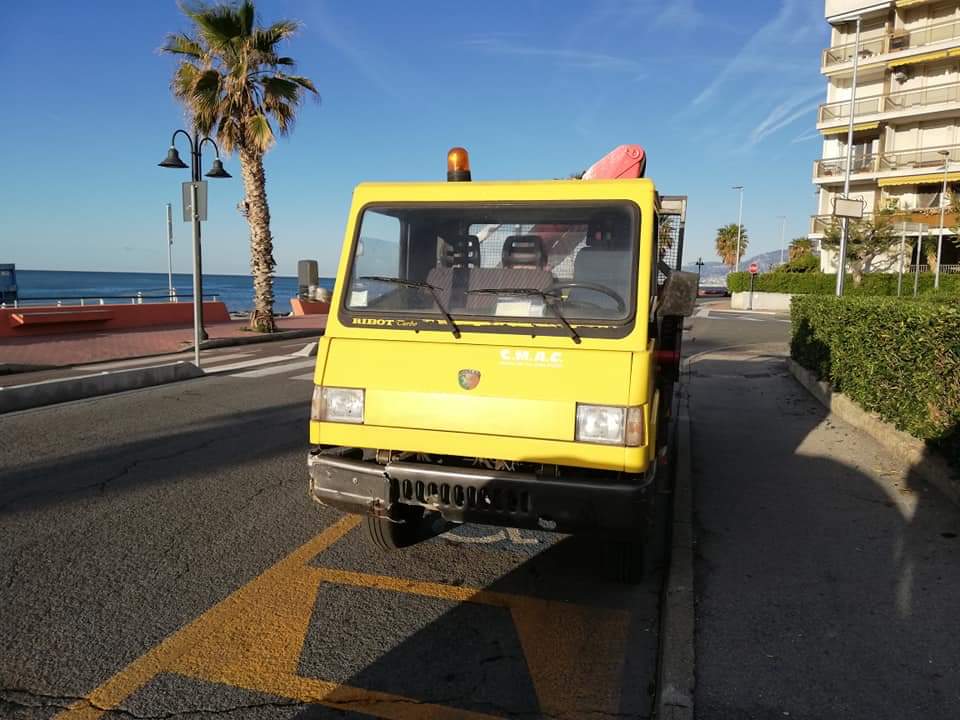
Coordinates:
[77,348]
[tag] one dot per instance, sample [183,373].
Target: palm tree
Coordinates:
[726,243]
[232,80]
[799,247]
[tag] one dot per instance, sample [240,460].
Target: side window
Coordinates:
[377,254]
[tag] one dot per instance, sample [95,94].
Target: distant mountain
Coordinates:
[715,273]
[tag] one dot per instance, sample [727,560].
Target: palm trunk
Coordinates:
[261,241]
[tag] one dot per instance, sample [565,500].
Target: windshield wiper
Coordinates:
[549,299]
[421,286]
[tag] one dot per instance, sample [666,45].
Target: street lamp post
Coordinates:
[699,265]
[739,225]
[783,228]
[845,230]
[173,161]
[943,208]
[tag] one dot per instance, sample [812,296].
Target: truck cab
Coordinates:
[491,357]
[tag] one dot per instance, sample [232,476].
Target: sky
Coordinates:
[718,92]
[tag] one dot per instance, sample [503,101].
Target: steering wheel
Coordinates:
[621,304]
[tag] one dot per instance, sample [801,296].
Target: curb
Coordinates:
[926,463]
[676,674]
[254,339]
[50,392]
[15,368]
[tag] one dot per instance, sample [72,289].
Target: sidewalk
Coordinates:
[827,577]
[89,347]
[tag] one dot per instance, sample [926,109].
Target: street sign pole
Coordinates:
[916,277]
[169,252]
[754,269]
[903,242]
[197,287]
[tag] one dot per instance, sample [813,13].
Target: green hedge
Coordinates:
[825,284]
[898,358]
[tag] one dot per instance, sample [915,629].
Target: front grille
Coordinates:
[453,495]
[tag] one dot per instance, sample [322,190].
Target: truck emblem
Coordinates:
[468,379]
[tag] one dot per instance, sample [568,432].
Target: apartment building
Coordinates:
[906,113]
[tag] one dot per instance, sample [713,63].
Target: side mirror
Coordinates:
[679,297]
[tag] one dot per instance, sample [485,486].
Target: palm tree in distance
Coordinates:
[233,81]
[726,243]
[799,247]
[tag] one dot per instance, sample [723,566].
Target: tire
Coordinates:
[626,560]
[402,529]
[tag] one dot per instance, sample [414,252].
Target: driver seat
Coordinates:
[597,263]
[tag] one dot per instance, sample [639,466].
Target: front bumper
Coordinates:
[571,502]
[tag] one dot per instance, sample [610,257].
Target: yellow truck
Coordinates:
[500,353]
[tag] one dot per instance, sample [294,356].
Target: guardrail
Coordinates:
[833,167]
[928,159]
[138,299]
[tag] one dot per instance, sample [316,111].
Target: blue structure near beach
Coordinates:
[8,282]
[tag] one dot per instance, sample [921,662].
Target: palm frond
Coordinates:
[278,87]
[303,82]
[265,40]
[219,25]
[245,13]
[258,132]
[182,44]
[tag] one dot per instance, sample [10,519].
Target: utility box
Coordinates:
[307,277]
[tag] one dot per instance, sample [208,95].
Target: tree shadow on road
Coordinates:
[827,579]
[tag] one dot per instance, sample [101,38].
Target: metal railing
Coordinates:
[892,102]
[822,223]
[836,167]
[892,42]
[924,159]
[138,298]
[844,53]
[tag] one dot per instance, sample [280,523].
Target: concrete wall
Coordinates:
[779,302]
[44,320]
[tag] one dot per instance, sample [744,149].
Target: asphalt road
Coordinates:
[161,558]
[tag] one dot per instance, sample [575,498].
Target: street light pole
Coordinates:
[739,225]
[196,163]
[943,208]
[169,252]
[783,228]
[842,259]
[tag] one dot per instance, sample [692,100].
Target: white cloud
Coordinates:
[499,45]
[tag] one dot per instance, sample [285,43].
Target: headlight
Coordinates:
[610,425]
[342,405]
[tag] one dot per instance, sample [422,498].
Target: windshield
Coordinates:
[580,261]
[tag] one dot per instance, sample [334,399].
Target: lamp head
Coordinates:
[217,170]
[172,160]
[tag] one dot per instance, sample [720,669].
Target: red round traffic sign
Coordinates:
[754,268]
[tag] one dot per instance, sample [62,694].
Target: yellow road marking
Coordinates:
[253,639]
[159,658]
[574,653]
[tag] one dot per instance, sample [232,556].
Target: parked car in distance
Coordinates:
[713,291]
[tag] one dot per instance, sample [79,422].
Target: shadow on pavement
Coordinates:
[551,637]
[827,581]
[231,439]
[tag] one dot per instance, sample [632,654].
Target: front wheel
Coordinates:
[403,528]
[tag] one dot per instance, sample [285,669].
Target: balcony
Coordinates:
[905,163]
[904,102]
[926,160]
[892,43]
[834,168]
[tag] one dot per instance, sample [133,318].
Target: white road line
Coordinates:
[276,369]
[245,364]
[159,360]
[748,312]
[702,313]
[305,376]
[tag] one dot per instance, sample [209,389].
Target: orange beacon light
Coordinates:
[458,165]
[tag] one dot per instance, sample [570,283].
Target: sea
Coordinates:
[119,287]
